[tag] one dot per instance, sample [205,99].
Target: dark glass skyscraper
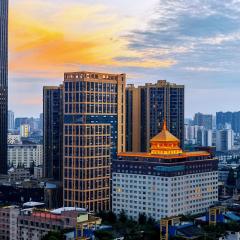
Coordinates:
[52,132]
[3,84]
[147,106]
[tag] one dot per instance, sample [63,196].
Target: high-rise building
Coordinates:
[25,130]
[224,140]
[204,137]
[222,118]
[164,182]
[53,132]
[133,116]
[3,84]
[228,118]
[11,123]
[204,120]
[94,132]
[147,106]
[20,121]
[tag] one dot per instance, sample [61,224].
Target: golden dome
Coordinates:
[165,143]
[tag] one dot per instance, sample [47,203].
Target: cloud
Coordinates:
[46,42]
[202,69]
[192,42]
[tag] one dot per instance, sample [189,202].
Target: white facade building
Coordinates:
[198,135]
[25,155]
[224,140]
[14,139]
[160,197]
[164,182]
[25,130]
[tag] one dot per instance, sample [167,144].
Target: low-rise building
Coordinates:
[25,155]
[18,174]
[8,222]
[34,224]
[38,172]
[14,139]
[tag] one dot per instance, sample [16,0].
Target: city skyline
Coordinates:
[173,42]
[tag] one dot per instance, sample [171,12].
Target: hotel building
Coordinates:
[94,132]
[146,107]
[164,182]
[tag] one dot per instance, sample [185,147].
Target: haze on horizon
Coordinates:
[195,43]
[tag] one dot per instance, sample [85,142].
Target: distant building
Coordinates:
[205,120]
[14,139]
[11,120]
[18,174]
[41,121]
[147,106]
[8,222]
[224,140]
[53,132]
[34,224]
[25,155]
[25,130]
[204,137]
[20,121]
[38,172]
[232,118]
[94,132]
[198,135]
[165,181]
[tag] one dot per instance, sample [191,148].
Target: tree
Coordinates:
[53,236]
[111,217]
[122,216]
[142,219]
[103,235]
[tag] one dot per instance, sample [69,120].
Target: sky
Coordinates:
[195,43]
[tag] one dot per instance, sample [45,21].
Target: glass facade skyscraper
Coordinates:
[3,84]
[94,132]
[53,132]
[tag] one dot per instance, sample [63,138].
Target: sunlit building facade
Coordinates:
[3,84]
[94,132]
[164,182]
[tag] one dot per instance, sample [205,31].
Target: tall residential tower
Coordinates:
[147,106]
[53,132]
[3,84]
[94,132]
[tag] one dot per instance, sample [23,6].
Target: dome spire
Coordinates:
[165,143]
[164,124]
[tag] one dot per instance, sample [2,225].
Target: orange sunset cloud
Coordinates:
[51,41]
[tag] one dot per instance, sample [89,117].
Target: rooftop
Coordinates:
[165,146]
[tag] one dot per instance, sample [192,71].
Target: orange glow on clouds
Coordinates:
[47,39]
